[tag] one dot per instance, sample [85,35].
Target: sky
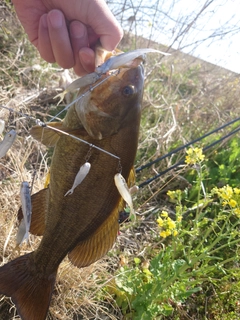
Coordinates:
[218,25]
[223,50]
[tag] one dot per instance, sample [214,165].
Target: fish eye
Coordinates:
[128,91]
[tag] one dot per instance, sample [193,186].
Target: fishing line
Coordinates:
[35,170]
[91,88]
[44,125]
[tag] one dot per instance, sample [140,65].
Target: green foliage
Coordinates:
[204,249]
[224,164]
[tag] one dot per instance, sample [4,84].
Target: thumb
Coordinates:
[105,25]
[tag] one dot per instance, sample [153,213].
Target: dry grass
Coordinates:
[179,105]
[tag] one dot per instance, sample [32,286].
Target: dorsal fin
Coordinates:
[39,211]
[47,136]
[50,137]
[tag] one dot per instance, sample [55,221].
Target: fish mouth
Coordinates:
[135,76]
[103,111]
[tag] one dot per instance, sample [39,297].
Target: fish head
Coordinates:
[112,104]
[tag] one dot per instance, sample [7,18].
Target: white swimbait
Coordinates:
[81,175]
[124,191]
[125,60]
[2,126]
[88,79]
[121,60]
[7,142]
[24,227]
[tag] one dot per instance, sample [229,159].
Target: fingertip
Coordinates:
[87,59]
[56,19]
[44,43]
[110,41]
[59,37]
[78,31]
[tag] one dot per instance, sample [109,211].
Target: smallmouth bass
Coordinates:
[84,224]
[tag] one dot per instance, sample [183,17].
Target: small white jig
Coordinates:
[124,191]
[23,230]
[81,175]
[7,142]
[88,79]
[2,126]
[124,60]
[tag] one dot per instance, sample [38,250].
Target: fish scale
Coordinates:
[83,225]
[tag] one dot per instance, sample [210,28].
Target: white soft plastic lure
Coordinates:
[124,191]
[81,175]
[2,126]
[125,60]
[7,142]
[24,227]
[88,79]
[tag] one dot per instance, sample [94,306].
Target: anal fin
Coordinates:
[39,211]
[98,244]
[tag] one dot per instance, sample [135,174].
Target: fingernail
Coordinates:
[76,30]
[55,18]
[84,57]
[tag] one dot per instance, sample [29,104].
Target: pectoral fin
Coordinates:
[39,210]
[100,242]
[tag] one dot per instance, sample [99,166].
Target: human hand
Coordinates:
[66,31]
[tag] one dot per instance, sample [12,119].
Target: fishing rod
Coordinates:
[181,162]
[149,164]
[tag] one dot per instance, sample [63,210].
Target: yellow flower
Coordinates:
[236,190]
[171,194]
[164,214]
[168,232]
[232,203]
[163,234]
[179,218]
[171,224]
[226,192]
[194,155]
[175,233]
[160,222]
[237,212]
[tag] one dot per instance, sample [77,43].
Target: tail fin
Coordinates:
[30,292]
